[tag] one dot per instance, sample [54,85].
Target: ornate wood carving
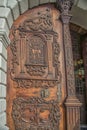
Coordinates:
[37,36]
[65,6]
[36,58]
[69,62]
[36,48]
[35,70]
[74,119]
[30,114]
[34,81]
[42,22]
[14,50]
[27,83]
[72,103]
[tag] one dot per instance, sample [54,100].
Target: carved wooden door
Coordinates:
[35,89]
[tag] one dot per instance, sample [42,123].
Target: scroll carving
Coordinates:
[65,6]
[27,83]
[69,62]
[56,49]
[36,70]
[15,61]
[29,114]
[42,22]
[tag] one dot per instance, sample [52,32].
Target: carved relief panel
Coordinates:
[36,61]
[35,113]
[38,47]
[35,69]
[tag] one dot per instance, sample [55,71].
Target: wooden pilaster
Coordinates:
[72,103]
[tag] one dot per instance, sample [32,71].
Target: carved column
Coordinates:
[72,103]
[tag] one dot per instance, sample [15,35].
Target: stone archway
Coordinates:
[11,10]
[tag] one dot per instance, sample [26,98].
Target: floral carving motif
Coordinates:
[42,22]
[27,114]
[69,61]
[29,83]
[56,50]
[35,70]
[15,61]
[65,6]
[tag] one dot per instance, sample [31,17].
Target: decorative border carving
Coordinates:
[56,50]
[29,83]
[14,50]
[69,62]
[35,70]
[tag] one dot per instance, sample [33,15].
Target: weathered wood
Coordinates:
[36,78]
